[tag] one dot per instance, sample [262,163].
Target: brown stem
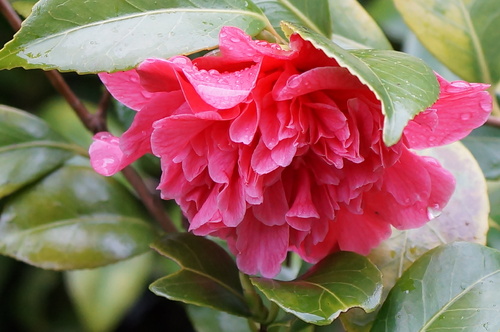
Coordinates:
[10,14]
[493,121]
[152,202]
[96,123]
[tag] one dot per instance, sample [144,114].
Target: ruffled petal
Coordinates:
[136,141]
[264,255]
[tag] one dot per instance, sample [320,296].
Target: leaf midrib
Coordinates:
[455,299]
[72,221]
[301,16]
[481,59]
[201,273]
[133,16]
[46,144]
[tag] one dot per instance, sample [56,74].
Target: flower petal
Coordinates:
[238,46]
[321,78]
[460,108]
[126,87]
[265,254]
[106,157]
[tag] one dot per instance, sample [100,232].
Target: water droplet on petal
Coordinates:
[235,40]
[465,116]
[485,104]
[180,60]
[294,81]
[433,211]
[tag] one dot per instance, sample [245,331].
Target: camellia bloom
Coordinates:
[279,150]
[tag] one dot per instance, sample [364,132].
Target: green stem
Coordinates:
[257,308]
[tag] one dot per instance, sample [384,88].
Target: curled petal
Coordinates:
[238,46]
[126,87]
[460,108]
[106,157]
[221,90]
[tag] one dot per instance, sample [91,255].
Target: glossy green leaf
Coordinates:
[463,34]
[110,35]
[72,219]
[208,276]
[29,149]
[350,20]
[465,218]
[405,85]
[494,231]
[209,320]
[486,149]
[311,14]
[385,14]
[335,284]
[103,295]
[450,288]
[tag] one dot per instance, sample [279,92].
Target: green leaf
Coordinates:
[486,150]
[102,296]
[311,14]
[463,34]
[209,320]
[29,149]
[350,20]
[494,232]
[405,85]
[452,288]
[207,277]
[465,218]
[335,284]
[111,35]
[72,219]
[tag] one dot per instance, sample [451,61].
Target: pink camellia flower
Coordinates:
[279,150]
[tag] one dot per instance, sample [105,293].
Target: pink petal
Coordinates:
[406,185]
[321,78]
[193,165]
[360,233]
[172,136]
[265,254]
[159,75]
[283,153]
[221,162]
[274,206]
[236,45]
[404,216]
[173,183]
[220,90]
[106,157]
[207,210]
[231,203]
[303,211]
[126,88]
[243,128]
[262,162]
[136,141]
[461,107]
